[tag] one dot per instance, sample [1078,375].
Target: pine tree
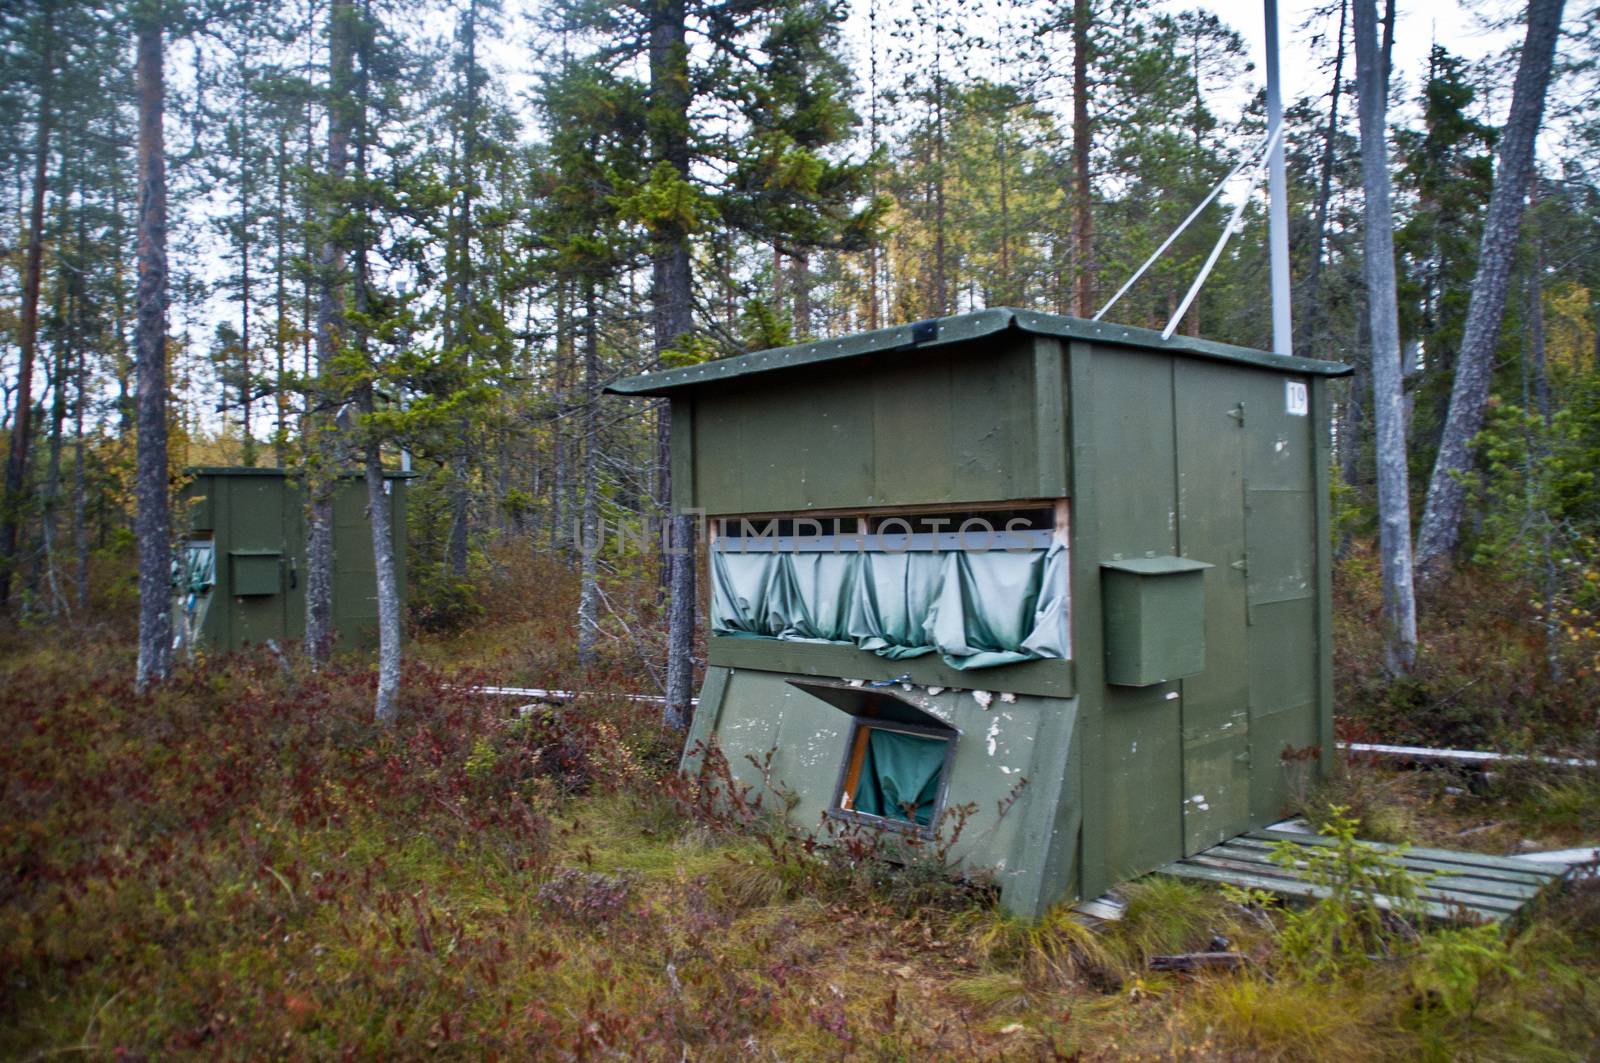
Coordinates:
[1441,519]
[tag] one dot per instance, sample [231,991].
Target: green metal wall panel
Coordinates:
[1279,674]
[1000,746]
[1088,631]
[1277,783]
[1131,459]
[1048,678]
[355,587]
[257,517]
[1322,493]
[1280,539]
[256,572]
[1049,395]
[1281,535]
[834,455]
[1139,821]
[940,429]
[1133,454]
[252,516]
[1159,454]
[1210,425]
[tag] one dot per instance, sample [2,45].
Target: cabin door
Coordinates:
[1215,704]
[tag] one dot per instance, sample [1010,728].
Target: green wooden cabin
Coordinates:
[1070,574]
[241,562]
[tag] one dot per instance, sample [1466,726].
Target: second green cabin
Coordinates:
[1070,576]
[240,576]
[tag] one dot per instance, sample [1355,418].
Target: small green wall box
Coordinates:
[1069,576]
[239,574]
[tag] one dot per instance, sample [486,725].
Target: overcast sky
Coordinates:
[1460,27]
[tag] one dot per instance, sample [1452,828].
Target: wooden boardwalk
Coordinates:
[1460,887]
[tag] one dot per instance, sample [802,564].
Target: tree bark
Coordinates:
[941,279]
[1469,394]
[153,520]
[560,503]
[324,459]
[247,449]
[11,502]
[1082,219]
[1536,390]
[280,332]
[49,525]
[456,551]
[80,493]
[589,534]
[379,512]
[1394,513]
[800,265]
[380,515]
[672,319]
[1313,319]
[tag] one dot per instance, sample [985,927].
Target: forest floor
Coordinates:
[241,865]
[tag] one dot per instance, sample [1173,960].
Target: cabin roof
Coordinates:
[944,331]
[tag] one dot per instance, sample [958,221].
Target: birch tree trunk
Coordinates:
[1394,512]
[153,519]
[17,459]
[330,313]
[381,516]
[1469,394]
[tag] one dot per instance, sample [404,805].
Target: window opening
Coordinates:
[980,587]
[895,774]
[897,761]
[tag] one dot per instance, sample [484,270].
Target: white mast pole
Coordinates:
[1278,196]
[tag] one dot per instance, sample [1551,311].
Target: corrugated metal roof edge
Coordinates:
[941,331]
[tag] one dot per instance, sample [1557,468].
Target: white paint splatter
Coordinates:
[1280,446]
[983,698]
[935,691]
[1009,697]
[1134,749]
[1173,696]
[993,735]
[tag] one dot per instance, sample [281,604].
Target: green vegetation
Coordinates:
[242,864]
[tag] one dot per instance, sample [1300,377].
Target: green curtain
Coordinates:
[900,776]
[975,609]
[199,567]
[196,574]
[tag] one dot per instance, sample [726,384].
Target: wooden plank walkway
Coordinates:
[1463,887]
